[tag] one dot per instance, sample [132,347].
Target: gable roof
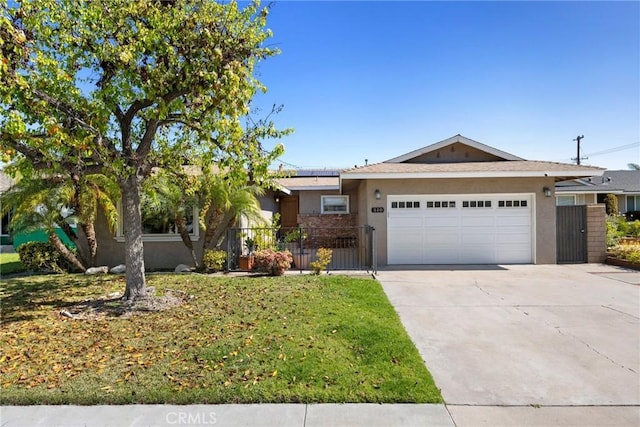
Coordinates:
[450,141]
[616,181]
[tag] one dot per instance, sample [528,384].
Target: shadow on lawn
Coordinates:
[29,297]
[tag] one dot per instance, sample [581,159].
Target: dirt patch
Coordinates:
[113,305]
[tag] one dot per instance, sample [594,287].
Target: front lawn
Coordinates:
[296,338]
[10,263]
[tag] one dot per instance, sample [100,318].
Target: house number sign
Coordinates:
[377,210]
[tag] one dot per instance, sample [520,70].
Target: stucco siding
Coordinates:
[544,215]
[310,201]
[157,255]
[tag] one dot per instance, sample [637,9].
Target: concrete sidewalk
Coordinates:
[265,415]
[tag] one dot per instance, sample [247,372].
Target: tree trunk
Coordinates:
[133,247]
[73,236]
[215,233]
[89,231]
[65,252]
[186,238]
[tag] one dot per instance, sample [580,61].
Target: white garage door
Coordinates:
[461,229]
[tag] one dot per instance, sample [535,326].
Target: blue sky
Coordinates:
[373,80]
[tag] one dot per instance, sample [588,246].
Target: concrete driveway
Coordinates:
[526,344]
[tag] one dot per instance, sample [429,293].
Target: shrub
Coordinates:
[43,257]
[324,259]
[274,263]
[618,226]
[628,252]
[611,204]
[214,260]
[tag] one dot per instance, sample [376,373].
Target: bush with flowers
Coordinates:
[274,263]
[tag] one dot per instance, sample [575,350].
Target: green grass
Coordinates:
[10,263]
[239,340]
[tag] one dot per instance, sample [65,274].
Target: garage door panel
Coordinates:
[478,255]
[442,221]
[478,239]
[512,239]
[445,255]
[493,232]
[478,221]
[520,220]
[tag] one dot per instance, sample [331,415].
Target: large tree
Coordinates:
[122,86]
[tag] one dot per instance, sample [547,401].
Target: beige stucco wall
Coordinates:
[157,255]
[309,202]
[545,231]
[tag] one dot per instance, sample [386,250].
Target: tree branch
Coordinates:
[72,113]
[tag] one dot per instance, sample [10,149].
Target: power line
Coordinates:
[614,149]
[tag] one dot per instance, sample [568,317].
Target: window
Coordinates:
[405,205]
[335,204]
[442,204]
[633,203]
[476,204]
[512,203]
[159,226]
[565,200]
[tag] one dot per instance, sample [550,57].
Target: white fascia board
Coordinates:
[316,187]
[449,175]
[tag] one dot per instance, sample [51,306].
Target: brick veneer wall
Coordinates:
[329,230]
[596,233]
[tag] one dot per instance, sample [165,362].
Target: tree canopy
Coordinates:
[119,87]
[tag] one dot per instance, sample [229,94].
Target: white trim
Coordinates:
[449,175]
[589,191]
[454,139]
[317,187]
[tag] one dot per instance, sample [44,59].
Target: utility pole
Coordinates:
[578,158]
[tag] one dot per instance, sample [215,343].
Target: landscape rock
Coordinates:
[182,268]
[118,269]
[97,270]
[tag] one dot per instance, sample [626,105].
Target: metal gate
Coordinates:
[571,234]
[353,247]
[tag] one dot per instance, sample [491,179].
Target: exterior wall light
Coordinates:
[378,194]
[546,191]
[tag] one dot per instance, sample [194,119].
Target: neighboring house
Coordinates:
[624,184]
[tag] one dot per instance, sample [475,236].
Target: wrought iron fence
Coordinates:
[353,247]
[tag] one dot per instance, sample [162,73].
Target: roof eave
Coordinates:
[317,187]
[470,174]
